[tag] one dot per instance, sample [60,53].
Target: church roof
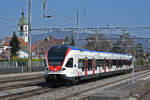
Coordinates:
[22,20]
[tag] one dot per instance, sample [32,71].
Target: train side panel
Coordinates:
[81,65]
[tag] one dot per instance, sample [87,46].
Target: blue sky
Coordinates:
[92,13]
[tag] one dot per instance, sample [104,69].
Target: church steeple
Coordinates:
[22,13]
[23,28]
[22,19]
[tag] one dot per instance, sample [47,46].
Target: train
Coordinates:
[72,64]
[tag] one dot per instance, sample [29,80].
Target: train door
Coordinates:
[86,65]
[81,66]
[75,65]
[129,63]
[104,64]
[126,64]
[93,65]
[120,66]
[109,65]
[117,64]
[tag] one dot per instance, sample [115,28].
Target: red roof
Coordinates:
[22,43]
[41,46]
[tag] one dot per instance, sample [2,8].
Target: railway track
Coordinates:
[19,83]
[26,94]
[20,78]
[144,94]
[46,89]
[31,83]
[99,86]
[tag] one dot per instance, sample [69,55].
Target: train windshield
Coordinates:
[56,55]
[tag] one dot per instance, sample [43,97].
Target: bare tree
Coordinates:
[124,44]
[98,42]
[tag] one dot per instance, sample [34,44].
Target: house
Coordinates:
[23,38]
[5,49]
[23,44]
[41,46]
[22,54]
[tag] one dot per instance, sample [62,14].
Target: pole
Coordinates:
[77,26]
[134,58]
[29,36]
[44,8]
[77,18]
[107,31]
[96,39]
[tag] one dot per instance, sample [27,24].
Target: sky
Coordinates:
[92,13]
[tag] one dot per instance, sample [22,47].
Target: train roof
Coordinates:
[83,49]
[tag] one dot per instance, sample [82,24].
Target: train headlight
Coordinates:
[47,69]
[63,69]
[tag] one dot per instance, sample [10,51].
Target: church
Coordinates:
[23,28]
[38,48]
[22,34]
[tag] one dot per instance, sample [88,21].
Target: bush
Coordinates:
[25,59]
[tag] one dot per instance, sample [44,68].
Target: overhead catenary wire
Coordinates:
[12,4]
[6,18]
[9,5]
[59,14]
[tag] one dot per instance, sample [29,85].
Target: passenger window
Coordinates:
[114,62]
[101,62]
[70,63]
[89,63]
[80,63]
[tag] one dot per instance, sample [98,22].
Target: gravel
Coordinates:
[71,90]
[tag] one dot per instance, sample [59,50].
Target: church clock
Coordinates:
[21,34]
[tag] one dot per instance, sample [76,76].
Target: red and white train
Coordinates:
[65,63]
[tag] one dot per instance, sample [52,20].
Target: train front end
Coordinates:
[56,59]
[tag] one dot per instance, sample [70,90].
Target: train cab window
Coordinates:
[70,63]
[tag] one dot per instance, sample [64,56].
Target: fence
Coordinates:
[20,66]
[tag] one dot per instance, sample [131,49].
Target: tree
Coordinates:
[139,54]
[124,44]
[66,40]
[14,44]
[98,42]
[116,48]
[139,51]
[72,42]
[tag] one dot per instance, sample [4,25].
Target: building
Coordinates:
[22,37]
[4,46]
[40,47]
[23,28]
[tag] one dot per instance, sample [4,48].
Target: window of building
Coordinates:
[21,28]
[26,28]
